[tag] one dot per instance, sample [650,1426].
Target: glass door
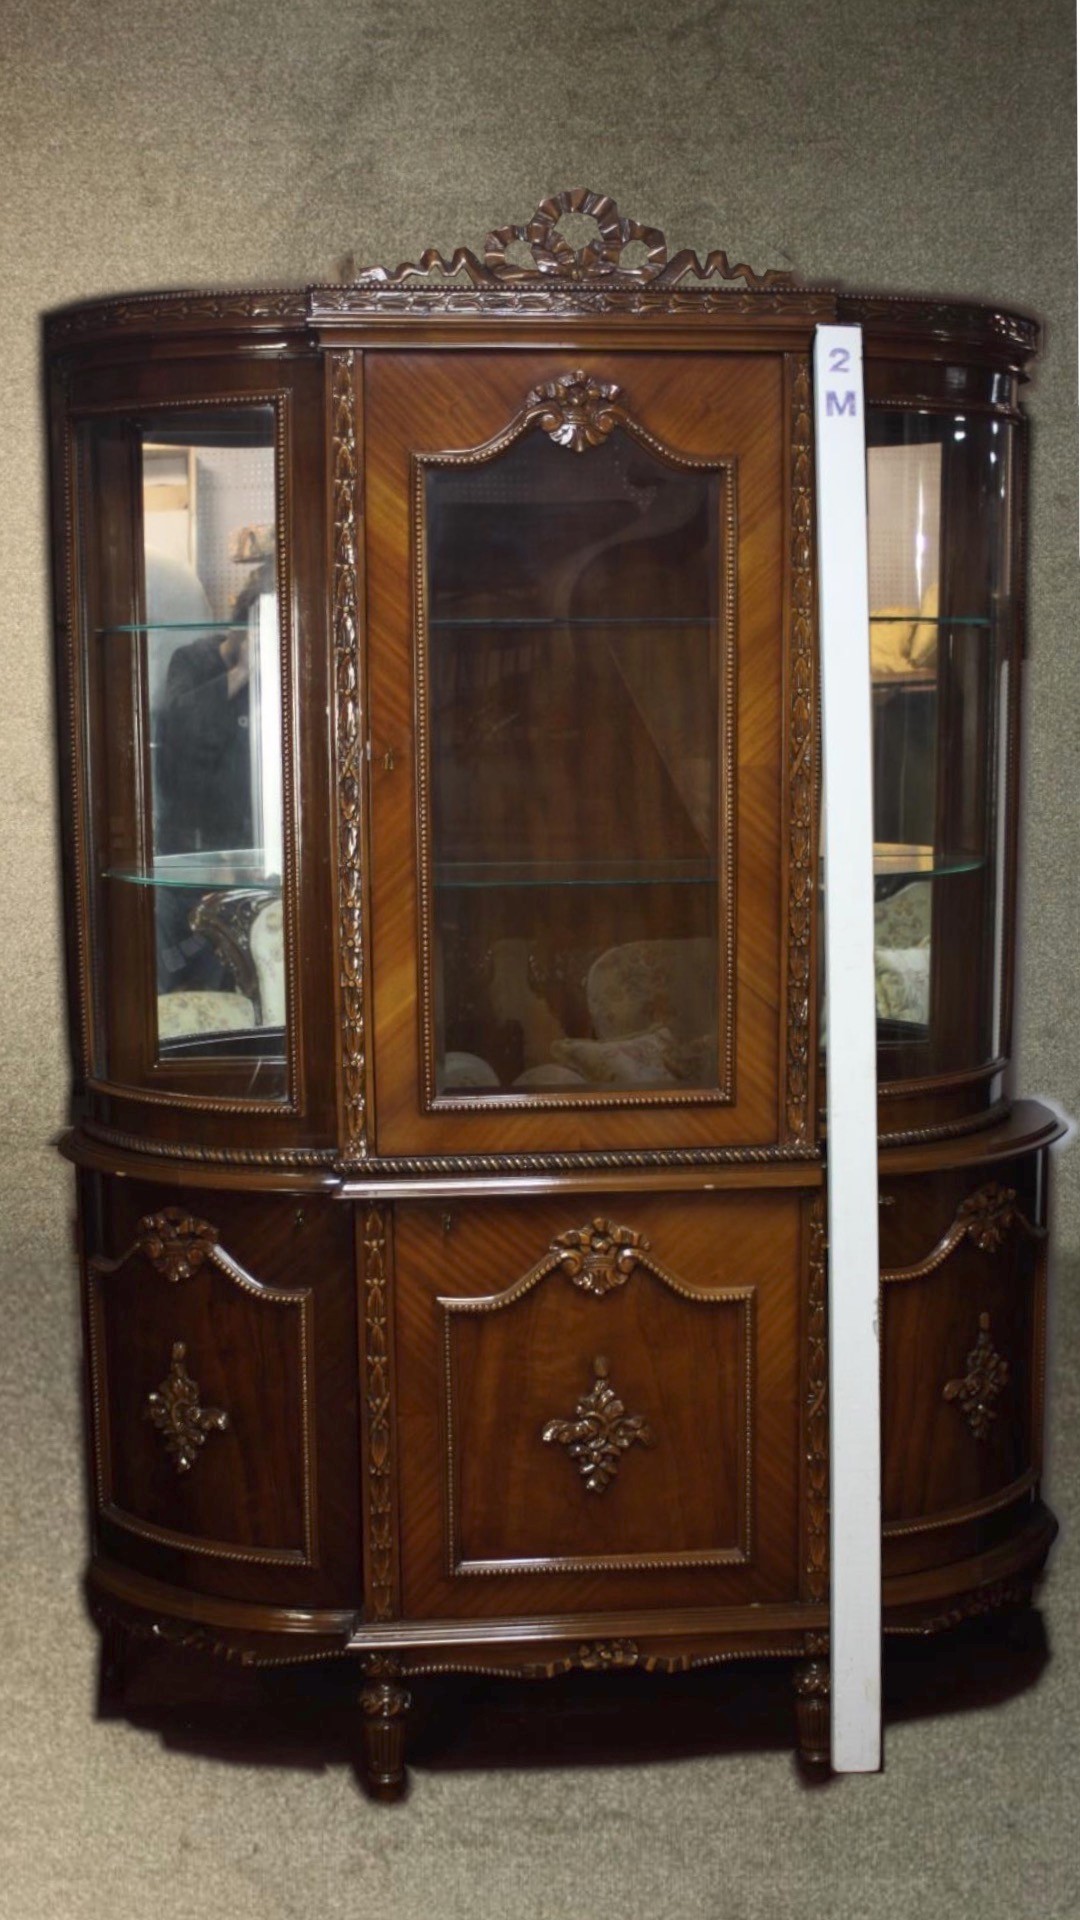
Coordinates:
[573,645]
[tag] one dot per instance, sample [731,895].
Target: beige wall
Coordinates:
[925,146]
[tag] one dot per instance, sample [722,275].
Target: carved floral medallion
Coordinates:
[987,1374]
[177,1415]
[601,1431]
[176,1242]
[987,1216]
[599,1256]
[576,410]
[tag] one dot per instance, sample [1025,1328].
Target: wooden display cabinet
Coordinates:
[442,877]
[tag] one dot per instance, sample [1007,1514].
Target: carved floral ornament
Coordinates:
[554,256]
[599,1256]
[987,1216]
[600,1432]
[576,410]
[175,1242]
[987,1375]
[175,1411]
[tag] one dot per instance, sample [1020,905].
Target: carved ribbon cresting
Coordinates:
[600,1432]
[175,1411]
[553,254]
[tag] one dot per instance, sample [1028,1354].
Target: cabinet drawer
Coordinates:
[221,1349]
[598,1401]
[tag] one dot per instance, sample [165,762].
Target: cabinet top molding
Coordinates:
[577,258]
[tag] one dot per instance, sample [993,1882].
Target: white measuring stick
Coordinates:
[851,1048]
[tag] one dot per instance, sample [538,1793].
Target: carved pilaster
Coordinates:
[378,1423]
[816,1413]
[801,724]
[384,1705]
[349,749]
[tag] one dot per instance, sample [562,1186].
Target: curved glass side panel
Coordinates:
[941,637]
[186,747]
[574,661]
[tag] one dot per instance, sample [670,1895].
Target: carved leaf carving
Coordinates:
[987,1216]
[600,1433]
[987,1375]
[599,1256]
[177,1415]
[176,1242]
[576,410]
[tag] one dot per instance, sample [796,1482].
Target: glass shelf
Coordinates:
[211,872]
[490,622]
[574,873]
[917,619]
[178,626]
[896,862]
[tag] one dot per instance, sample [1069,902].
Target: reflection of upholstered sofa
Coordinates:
[651,1012]
[245,929]
[902,955]
[652,1004]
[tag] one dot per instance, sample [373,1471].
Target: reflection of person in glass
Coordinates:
[204,752]
[203,778]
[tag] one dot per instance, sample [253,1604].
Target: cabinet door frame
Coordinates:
[754,407]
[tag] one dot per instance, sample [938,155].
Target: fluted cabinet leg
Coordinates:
[812,1712]
[384,1705]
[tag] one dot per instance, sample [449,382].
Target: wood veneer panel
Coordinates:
[706,1351]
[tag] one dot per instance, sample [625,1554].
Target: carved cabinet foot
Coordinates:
[812,1712]
[384,1705]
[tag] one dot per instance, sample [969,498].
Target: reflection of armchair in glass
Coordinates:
[244,928]
[652,1004]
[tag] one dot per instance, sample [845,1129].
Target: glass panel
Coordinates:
[940,631]
[574,668]
[189,670]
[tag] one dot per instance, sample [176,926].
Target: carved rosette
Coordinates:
[175,1242]
[987,1216]
[599,1256]
[600,1433]
[177,1415]
[986,1377]
[606,1656]
[575,410]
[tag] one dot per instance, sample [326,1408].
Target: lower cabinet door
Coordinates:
[598,1402]
[963,1349]
[221,1336]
